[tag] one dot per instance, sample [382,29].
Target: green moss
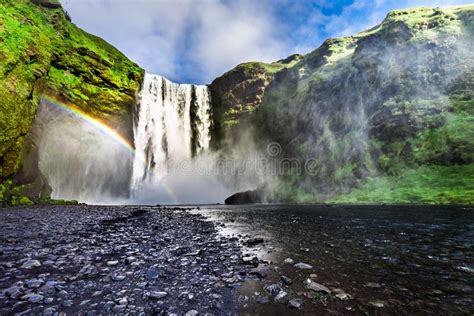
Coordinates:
[42,52]
[426,185]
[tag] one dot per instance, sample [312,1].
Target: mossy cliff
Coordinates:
[388,106]
[42,52]
[238,92]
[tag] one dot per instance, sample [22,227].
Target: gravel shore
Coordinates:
[96,260]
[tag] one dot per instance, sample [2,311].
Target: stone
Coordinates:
[118,277]
[303,266]
[119,308]
[296,303]
[273,288]
[14,292]
[254,241]
[112,263]
[250,260]
[157,294]
[344,296]
[33,298]
[288,261]
[316,287]
[286,280]
[262,272]
[34,283]
[262,299]
[192,312]
[29,264]
[151,274]
[377,303]
[247,197]
[281,296]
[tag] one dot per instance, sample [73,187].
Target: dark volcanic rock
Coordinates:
[247,197]
[115,260]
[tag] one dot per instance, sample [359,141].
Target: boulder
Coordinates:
[246,197]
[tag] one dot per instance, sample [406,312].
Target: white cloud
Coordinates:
[198,40]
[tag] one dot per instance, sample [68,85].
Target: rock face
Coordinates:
[238,92]
[247,197]
[49,55]
[393,104]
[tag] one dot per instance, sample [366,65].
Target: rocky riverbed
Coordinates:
[220,260]
[97,260]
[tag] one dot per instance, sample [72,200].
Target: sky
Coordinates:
[195,41]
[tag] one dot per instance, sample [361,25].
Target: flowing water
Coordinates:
[390,259]
[172,130]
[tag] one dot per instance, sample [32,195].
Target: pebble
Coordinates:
[112,263]
[316,287]
[344,296]
[157,295]
[34,283]
[377,303]
[303,266]
[288,261]
[118,277]
[296,303]
[286,280]
[281,296]
[33,298]
[29,264]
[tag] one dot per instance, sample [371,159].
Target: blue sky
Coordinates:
[194,41]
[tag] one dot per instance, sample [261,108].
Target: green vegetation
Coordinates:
[42,52]
[424,185]
[368,110]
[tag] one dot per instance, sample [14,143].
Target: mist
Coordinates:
[79,161]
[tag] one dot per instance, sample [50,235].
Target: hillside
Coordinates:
[395,101]
[43,53]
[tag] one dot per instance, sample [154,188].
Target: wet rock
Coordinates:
[247,197]
[34,283]
[152,274]
[316,287]
[119,308]
[303,266]
[466,269]
[250,260]
[118,277]
[261,272]
[29,264]
[192,312]
[344,296]
[254,241]
[273,288]
[262,299]
[288,261]
[157,294]
[33,298]
[372,285]
[377,303]
[112,263]
[286,280]
[14,292]
[296,303]
[281,296]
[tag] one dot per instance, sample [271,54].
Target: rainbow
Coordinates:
[102,127]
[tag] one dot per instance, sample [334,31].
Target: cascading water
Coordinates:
[172,126]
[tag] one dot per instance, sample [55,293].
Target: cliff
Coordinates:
[389,109]
[43,53]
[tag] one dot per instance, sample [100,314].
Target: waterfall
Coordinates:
[171,127]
